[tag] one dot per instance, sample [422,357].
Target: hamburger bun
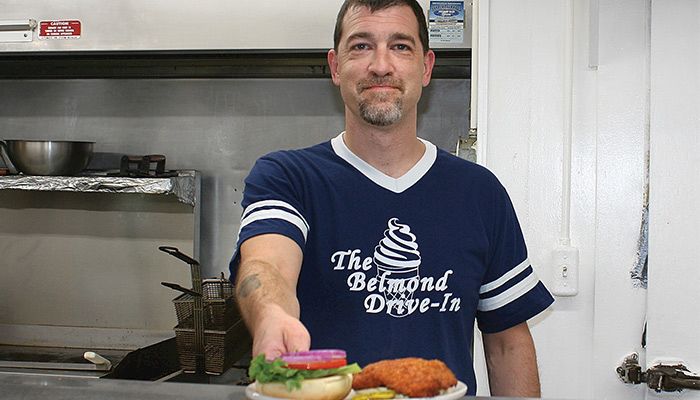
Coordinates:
[335,387]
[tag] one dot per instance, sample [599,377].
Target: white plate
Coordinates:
[456,392]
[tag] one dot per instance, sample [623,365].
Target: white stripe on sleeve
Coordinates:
[509,295]
[505,278]
[275,214]
[274,203]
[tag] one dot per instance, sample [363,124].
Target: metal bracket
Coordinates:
[630,371]
[466,146]
[660,377]
[17,30]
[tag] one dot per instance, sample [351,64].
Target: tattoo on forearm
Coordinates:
[248,285]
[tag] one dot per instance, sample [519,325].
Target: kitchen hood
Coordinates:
[152,25]
[211,39]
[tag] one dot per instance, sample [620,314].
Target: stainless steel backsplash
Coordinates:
[217,126]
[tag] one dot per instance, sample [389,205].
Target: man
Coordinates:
[379,243]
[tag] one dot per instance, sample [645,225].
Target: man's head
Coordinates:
[375,5]
[381,60]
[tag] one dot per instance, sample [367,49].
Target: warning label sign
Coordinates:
[66,29]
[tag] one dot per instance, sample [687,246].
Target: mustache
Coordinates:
[380,81]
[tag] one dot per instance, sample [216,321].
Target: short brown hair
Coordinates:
[376,5]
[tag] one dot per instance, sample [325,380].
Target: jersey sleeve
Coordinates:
[270,205]
[511,292]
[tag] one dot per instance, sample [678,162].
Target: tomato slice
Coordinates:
[326,364]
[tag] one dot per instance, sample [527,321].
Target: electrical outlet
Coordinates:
[565,271]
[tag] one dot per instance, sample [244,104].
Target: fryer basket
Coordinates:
[225,337]
[218,314]
[221,349]
[210,333]
[217,288]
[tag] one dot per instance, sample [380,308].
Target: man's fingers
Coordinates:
[298,345]
[280,335]
[271,350]
[272,354]
[297,341]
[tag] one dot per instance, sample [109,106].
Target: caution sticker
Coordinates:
[61,29]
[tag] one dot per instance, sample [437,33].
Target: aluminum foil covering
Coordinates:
[183,186]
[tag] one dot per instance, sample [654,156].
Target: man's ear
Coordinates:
[333,65]
[428,64]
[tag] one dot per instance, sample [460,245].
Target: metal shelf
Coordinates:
[185,185]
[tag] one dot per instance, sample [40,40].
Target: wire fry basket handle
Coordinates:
[175,252]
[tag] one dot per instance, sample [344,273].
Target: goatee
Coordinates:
[380,113]
[381,109]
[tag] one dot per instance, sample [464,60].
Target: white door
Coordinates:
[673,302]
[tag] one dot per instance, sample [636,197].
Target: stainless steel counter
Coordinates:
[16,387]
[26,387]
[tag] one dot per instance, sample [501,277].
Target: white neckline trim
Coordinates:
[396,185]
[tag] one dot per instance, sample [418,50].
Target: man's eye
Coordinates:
[360,46]
[402,47]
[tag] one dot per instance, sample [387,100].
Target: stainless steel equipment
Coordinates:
[46,157]
[151,362]
[97,363]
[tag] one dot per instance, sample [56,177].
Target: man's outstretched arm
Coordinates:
[266,293]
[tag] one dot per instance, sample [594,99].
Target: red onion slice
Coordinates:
[313,355]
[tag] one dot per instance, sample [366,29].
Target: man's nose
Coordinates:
[380,63]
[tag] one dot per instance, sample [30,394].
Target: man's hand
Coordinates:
[266,294]
[278,332]
[511,363]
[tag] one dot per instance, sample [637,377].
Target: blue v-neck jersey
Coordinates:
[396,267]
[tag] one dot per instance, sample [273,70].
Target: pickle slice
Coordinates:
[375,395]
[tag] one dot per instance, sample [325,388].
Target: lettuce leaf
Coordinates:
[265,371]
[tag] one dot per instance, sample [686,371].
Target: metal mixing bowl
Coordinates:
[48,157]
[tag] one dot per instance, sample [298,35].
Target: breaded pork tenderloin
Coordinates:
[412,377]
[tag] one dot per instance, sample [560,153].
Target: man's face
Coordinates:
[380,65]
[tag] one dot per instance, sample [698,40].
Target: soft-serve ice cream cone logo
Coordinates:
[398,261]
[397,287]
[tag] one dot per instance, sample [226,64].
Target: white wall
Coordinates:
[581,340]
